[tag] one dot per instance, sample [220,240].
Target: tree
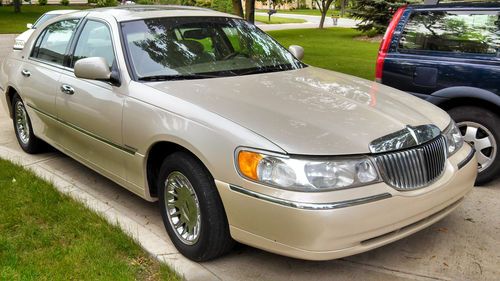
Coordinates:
[323,6]
[250,10]
[17,6]
[237,8]
[375,15]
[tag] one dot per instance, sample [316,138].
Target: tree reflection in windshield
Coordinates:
[218,46]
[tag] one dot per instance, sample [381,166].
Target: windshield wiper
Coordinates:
[175,77]
[267,69]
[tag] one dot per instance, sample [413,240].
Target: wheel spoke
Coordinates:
[481,158]
[470,134]
[483,143]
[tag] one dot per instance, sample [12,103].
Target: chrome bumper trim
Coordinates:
[467,159]
[311,206]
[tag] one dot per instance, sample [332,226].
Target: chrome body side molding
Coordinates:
[311,206]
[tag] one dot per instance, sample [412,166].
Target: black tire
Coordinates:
[489,120]
[28,142]
[214,239]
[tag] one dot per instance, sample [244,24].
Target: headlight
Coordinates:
[301,174]
[19,44]
[454,139]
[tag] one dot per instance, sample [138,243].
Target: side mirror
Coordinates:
[95,68]
[29,25]
[297,51]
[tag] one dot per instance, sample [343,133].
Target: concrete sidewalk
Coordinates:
[463,246]
[311,22]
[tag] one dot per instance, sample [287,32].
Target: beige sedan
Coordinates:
[233,134]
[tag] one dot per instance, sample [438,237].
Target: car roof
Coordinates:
[459,5]
[60,12]
[135,12]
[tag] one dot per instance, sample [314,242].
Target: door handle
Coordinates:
[26,73]
[67,89]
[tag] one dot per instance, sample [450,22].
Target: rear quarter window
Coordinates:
[460,32]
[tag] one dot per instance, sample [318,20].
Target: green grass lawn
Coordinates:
[277,20]
[45,235]
[333,48]
[11,22]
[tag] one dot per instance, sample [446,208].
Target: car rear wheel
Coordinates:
[481,128]
[23,129]
[191,208]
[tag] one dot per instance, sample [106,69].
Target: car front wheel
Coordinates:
[481,128]
[191,208]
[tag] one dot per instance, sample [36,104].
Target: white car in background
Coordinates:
[23,37]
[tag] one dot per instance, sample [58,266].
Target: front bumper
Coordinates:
[319,230]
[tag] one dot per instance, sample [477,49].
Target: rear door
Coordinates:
[40,74]
[444,48]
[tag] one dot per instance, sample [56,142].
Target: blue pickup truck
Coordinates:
[449,55]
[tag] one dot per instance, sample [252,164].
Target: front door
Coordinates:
[92,110]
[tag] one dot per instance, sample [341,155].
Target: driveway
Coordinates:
[463,246]
[311,22]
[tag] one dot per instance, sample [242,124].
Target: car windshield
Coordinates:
[43,19]
[201,47]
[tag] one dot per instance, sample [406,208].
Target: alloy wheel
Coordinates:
[483,141]
[183,208]
[22,123]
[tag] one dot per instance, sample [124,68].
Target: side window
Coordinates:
[52,44]
[94,41]
[476,32]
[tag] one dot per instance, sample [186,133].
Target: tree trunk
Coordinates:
[250,10]
[17,6]
[237,8]
[322,21]
[342,8]
[323,7]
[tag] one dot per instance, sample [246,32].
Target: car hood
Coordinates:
[309,111]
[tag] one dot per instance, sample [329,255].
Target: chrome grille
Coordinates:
[413,168]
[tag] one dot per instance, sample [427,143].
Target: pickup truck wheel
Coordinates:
[480,127]
[191,208]
[23,129]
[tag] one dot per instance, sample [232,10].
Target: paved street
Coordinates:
[463,246]
[312,22]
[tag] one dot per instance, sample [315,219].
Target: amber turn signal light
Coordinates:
[248,162]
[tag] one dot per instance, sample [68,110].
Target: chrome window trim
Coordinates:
[310,206]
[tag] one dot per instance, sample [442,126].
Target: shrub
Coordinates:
[203,3]
[170,2]
[42,2]
[64,2]
[106,3]
[145,2]
[222,6]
